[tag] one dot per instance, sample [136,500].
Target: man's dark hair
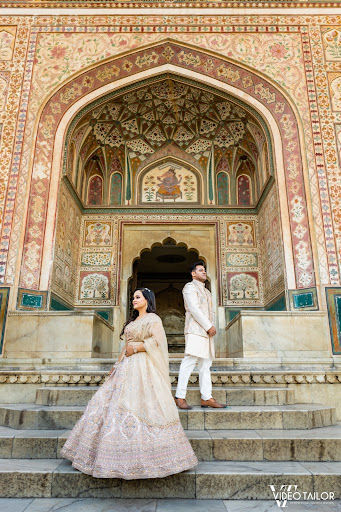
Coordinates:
[196,264]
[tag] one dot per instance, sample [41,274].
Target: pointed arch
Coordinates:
[116,185]
[193,182]
[252,88]
[94,194]
[244,190]
[223,188]
[246,182]
[223,185]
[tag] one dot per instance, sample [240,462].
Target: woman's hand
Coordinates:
[113,369]
[129,351]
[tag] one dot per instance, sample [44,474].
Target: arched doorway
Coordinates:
[165,269]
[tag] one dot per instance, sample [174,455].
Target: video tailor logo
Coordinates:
[291,493]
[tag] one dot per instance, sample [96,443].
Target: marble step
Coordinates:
[156,505]
[322,444]
[80,395]
[296,416]
[24,478]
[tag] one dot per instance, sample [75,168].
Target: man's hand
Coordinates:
[212,331]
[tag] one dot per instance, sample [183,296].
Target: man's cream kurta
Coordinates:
[199,319]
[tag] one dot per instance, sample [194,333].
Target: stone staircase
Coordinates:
[263,438]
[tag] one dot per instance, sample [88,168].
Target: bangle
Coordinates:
[135,350]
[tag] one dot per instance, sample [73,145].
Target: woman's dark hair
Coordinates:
[197,264]
[151,306]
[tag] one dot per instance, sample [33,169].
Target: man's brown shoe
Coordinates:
[212,402]
[181,403]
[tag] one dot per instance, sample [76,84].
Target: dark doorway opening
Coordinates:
[165,269]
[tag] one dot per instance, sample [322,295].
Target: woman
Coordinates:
[131,428]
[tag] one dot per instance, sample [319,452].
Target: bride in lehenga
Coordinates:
[131,428]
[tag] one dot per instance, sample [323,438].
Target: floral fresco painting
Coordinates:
[169,183]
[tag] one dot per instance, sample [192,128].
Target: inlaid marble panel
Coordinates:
[243,286]
[241,234]
[97,234]
[94,285]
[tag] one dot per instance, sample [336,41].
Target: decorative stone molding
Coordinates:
[96,378]
[168,4]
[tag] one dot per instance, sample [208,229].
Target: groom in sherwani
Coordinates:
[199,343]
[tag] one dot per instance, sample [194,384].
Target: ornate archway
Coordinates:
[271,102]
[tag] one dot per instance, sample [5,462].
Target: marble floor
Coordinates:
[161,505]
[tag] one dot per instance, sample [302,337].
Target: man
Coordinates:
[199,332]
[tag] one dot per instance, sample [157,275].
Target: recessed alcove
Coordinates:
[165,269]
[168,149]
